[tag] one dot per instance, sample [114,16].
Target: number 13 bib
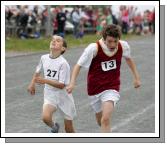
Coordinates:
[108,65]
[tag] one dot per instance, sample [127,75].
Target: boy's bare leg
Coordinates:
[98,118]
[69,126]
[107,109]
[47,114]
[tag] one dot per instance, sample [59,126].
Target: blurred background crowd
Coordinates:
[25,21]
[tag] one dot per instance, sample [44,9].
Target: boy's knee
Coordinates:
[105,121]
[46,119]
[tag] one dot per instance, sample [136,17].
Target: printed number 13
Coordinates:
[108,65]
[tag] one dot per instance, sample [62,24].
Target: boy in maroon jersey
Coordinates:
[103,59]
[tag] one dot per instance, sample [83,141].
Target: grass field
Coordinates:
[42,44]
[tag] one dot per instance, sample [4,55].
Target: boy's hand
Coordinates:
[137,83]
[40,80]
[31,89]
[70,88]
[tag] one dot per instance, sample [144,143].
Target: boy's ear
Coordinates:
[63,48]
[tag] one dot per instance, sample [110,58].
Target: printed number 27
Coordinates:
[49,73]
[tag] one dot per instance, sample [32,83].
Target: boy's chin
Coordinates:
[54,52]
[54,49]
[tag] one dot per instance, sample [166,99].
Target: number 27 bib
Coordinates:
[108,65]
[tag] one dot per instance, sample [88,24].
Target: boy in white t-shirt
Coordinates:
[56,76]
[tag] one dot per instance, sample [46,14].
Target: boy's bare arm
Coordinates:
[135,73]
[31,87]
[54,83]
[74,75]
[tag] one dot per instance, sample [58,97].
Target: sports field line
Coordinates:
[132,117]
[117,126]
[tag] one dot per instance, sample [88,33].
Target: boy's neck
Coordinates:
[54,55]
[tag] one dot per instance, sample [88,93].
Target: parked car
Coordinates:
[69,26]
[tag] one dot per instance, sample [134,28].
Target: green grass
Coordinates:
[42,44]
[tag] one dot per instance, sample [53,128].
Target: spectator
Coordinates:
[132,10]
[80,30]
[31,20]
[108,14]
[54,20]
[101,24]
[61,21]
[138,24]
[125,19]
[75,20]
[150,20]
[55,26]
[153,21]
[131,26]
[95,17]
[145,23]
[110,18]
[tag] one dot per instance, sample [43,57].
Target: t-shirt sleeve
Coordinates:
[87,56]
[126,49]
[64,74]
[39,66]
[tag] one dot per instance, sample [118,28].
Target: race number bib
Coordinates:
[51,73]
[108,65]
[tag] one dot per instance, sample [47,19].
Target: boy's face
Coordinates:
[111,42]
[56,44]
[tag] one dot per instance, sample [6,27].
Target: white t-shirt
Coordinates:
[54,69]
[91,51]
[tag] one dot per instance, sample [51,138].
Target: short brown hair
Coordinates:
[64,45]
[111,30]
